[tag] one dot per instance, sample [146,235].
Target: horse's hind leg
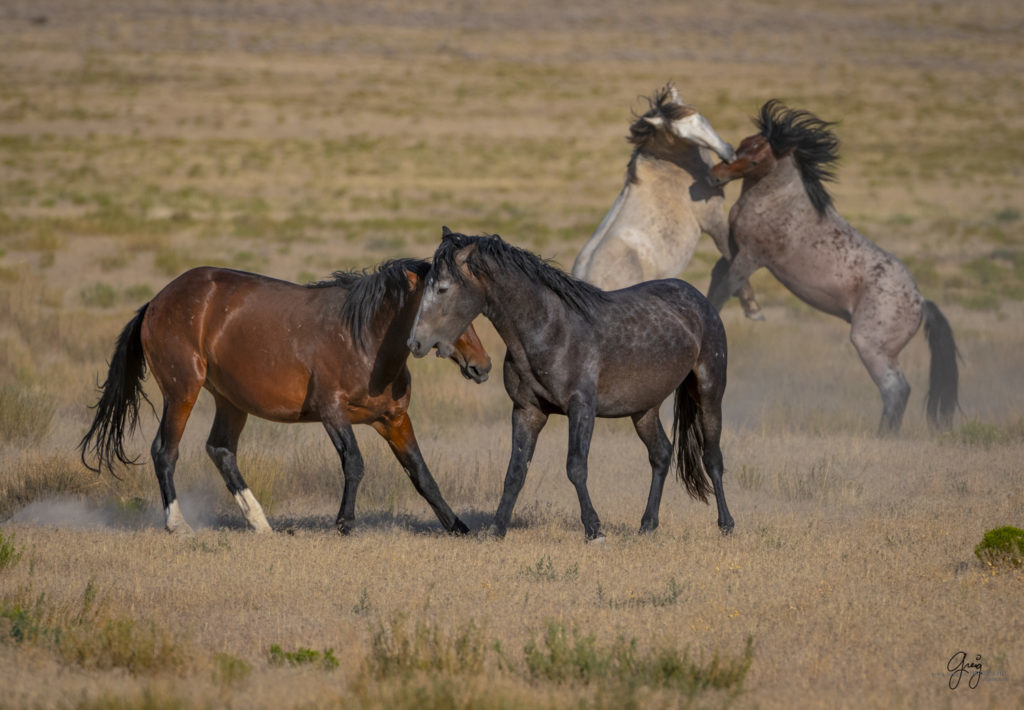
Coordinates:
[398,432]
[165,457]
[886,374]
[581,429]
[222,446]
[659,453]
[710,388]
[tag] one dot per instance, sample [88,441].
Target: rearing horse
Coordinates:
[333,352]
[668,199]
[784,220]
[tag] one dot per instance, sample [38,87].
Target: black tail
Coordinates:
[944,376]
[688,441]
[118,407]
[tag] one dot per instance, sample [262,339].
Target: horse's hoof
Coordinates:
[344,528]
[598,539]
[726,529]
[647,529]
[757,316]
[492,532]
[181,530]
[458,528]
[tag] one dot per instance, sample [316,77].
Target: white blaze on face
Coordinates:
[696,129]
[252,510]
[175,521]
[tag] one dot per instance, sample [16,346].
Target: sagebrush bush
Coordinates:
[1002,547]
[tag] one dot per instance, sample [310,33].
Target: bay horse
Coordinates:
[784,220]
[667,201]
[576,350]
[332,352]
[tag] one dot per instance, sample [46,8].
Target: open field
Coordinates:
[138,139]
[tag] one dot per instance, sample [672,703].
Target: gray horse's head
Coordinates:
[668,113]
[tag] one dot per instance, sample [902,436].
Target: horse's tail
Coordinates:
[118,408]
[688,441]
[944,376]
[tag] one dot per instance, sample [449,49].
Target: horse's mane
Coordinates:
[815,148]
[641,131]
[367,290]
[493,253]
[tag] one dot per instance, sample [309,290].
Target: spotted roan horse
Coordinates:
[333,352]
[576,350]
[667,201]
[784,220]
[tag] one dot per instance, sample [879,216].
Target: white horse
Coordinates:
[652,229]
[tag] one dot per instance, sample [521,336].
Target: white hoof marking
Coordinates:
[253,511]
[175,522]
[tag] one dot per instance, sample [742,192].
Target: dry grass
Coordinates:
[298,139]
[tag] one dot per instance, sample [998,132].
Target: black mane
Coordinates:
[641,131]
[815,148]
[494,253]
[367,291]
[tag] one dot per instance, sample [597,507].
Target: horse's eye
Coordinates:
[441,288]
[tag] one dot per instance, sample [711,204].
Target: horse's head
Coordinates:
[670,116]
[754,159]
[452,298]
[467,351]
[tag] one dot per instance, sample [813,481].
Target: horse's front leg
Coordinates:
[581,428]
[731,278]
[526,425]
[400,437]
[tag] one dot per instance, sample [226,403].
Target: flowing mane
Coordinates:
[493,253]
[815,148]
[367,291]
[642,130]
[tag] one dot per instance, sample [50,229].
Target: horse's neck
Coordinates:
[388,337]
[519,309]
[783,184]
[683,156]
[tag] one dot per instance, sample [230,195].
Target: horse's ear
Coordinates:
[414,279]
[445,233]
[675,94]
[656,121]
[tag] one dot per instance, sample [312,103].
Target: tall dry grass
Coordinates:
[141,140]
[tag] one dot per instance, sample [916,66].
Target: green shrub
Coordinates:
[303,656]
[1001,547]
[230,670]
[100,295]
[9,554]
[396,650]
[581,659]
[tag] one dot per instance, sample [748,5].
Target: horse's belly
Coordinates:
[279,396]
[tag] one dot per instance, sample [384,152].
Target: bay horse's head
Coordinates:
[784,132]
[670,117]
[452,298]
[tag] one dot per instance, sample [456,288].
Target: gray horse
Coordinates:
[784,220]
[652,229]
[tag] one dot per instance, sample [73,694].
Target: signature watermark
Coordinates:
[958,666]
[968,669]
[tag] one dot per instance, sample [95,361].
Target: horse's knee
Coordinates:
[576,469]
